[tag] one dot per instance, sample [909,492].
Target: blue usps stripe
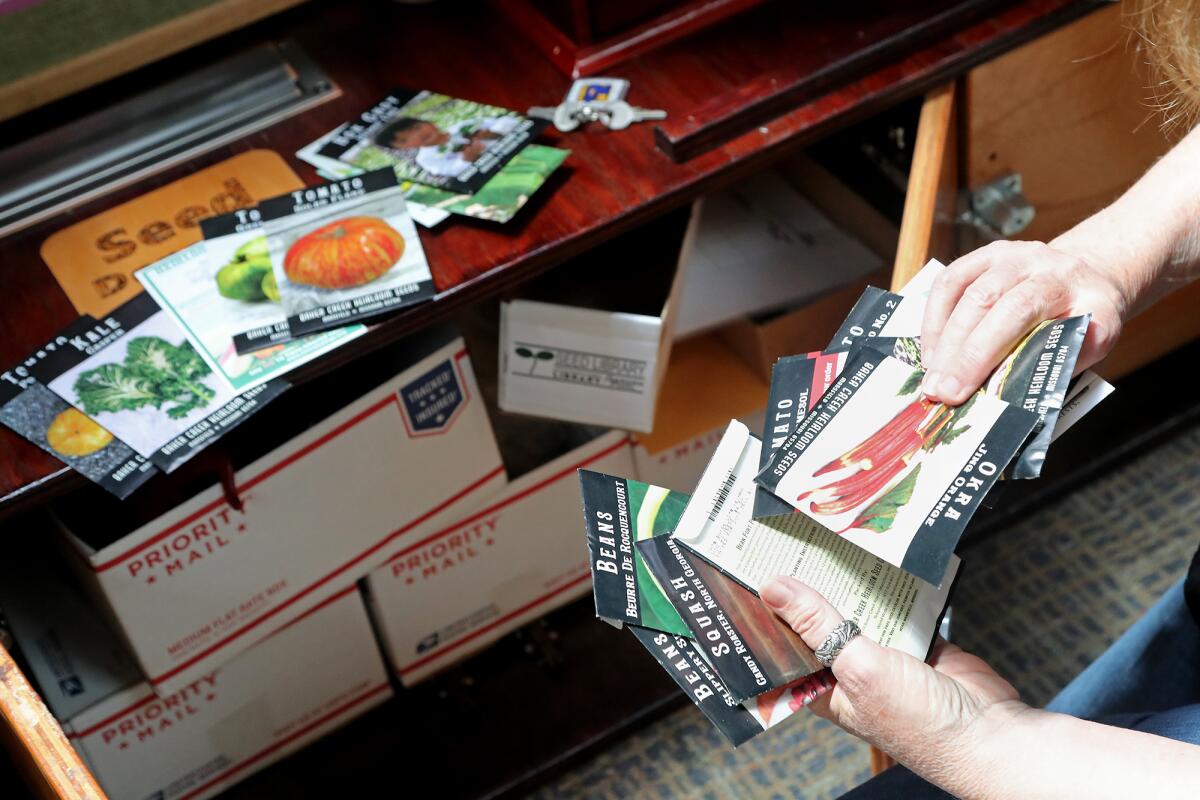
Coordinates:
[430,401]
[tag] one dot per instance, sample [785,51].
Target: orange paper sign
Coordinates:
[94,260]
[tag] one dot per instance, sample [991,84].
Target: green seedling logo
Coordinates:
[535,357]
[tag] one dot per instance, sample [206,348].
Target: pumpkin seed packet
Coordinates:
[223,285]
[344,251]
[433,139]
[888,469]
[45,419]
[135,374]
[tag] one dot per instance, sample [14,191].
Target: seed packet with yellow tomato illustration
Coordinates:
[344,251]
[44,418]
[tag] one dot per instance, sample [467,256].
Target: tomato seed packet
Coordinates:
[42,417]
[135,373]
[886,468]
[344,251]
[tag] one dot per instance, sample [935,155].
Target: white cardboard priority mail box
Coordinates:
[454,591]
[293,687]
[202,583]
[586,365]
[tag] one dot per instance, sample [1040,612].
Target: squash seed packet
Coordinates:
[344,251]
[135,373]
[892,471]
[433,139]
[219,286]
[45,419]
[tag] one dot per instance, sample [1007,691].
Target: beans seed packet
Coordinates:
[881,465]
[344,251]
[618,513]
[797,383]
[218,287]
[433,139]
[737,722]
[39,415]
[135,374]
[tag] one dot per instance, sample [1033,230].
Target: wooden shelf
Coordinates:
[612,182]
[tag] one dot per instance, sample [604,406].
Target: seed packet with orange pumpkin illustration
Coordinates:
[344,251]
[135,373]
[897,474]
[44,418]
[220,286]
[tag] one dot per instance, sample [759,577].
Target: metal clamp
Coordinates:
[998,208]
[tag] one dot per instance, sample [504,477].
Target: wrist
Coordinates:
[976,761]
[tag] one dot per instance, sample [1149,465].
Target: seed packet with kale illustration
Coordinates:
[737,722]
[891,471]
[343,252]
[618,513]
[44,418]
[135,373]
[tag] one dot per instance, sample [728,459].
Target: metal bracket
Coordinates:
[998,208]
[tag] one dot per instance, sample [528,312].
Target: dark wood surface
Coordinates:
[613,181]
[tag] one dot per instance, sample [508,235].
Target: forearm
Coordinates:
[1031,754]
[1148,241]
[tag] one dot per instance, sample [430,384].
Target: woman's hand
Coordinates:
[984,303]
[928,716]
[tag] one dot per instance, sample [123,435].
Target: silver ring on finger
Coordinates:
[837,639]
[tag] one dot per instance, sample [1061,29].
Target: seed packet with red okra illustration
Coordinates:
[891,471]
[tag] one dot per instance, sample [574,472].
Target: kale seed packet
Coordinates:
[433,139]
[344,251]
[892,471]
[136,374]
[44,418]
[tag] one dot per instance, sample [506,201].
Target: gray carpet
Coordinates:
[1038,601]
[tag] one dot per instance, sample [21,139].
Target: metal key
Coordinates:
[621,115]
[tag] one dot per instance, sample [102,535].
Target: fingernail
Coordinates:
[930,383]
[775,593]
[948,387]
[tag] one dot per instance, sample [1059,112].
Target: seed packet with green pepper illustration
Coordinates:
[135,373]
[223,286]
[892,471]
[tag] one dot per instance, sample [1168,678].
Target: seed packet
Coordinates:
[225,285]
[797,383]
[1034,375]
[135,373]
[892,471]
[344,251]
[498,200]
[891,606]
[618,513]
[738,722]
[44,418]
[433,139]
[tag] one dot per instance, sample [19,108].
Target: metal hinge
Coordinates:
[998,208]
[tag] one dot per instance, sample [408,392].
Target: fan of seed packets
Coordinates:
[860,487]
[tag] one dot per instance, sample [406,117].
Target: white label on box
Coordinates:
[579,364]
[289,689]
[204,582]
[458,589]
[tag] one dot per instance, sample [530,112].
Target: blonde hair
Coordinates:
[1170,39]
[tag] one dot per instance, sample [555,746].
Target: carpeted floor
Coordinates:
[1038,601]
